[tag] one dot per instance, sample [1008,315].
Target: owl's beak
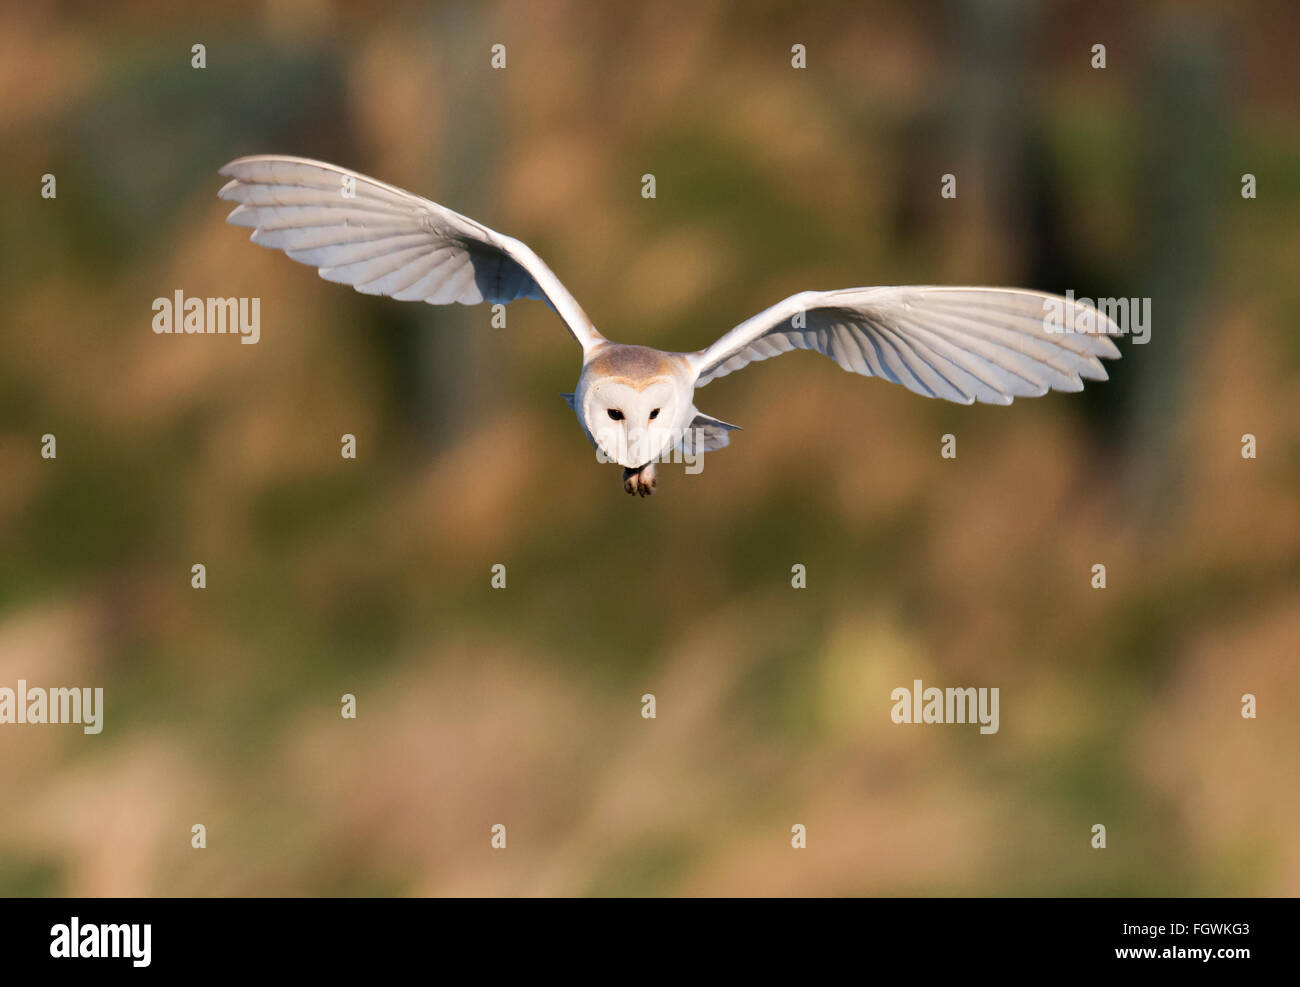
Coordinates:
[631,449]
[645,446]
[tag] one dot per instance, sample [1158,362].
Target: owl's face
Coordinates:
[632,425]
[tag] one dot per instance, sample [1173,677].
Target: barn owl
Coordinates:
[636,404]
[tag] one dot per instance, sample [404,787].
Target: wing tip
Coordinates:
[239,216]
[999,399]
[232,168]
[1096,371]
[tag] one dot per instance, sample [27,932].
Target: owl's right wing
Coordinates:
[383,240]
[990,345]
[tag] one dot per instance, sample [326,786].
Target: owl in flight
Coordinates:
[636,404]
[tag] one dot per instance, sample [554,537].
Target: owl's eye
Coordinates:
[615,414]
[654,414]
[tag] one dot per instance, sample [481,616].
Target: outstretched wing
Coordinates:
[707,434]
[962,344]
[385,241]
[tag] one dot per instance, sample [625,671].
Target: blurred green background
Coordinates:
[522,706]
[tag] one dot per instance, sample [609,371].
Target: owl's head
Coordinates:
[632,422]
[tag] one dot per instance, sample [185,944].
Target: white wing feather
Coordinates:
[383,240]
[962,344]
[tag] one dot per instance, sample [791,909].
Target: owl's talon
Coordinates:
[645,480]
[639,481]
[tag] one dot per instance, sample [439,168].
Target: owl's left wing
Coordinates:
[383,240]
[961,344]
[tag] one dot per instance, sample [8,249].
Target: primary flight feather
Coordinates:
[635,403]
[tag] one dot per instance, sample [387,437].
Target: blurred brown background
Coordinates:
[522,706]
